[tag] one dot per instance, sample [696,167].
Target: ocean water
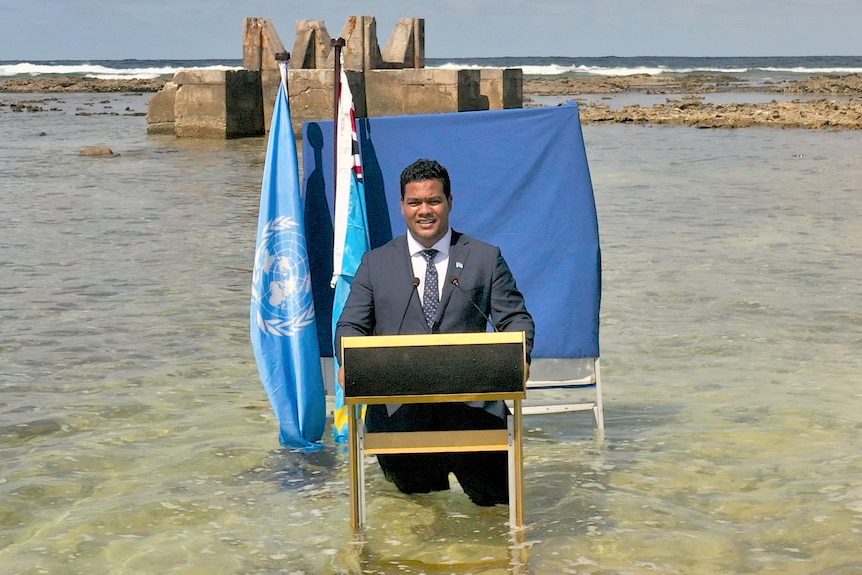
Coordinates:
[135,436]
[756,70]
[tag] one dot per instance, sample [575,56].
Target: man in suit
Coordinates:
[436,280]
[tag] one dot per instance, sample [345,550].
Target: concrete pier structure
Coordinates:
[394,81]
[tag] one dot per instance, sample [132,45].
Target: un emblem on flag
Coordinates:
[281,281]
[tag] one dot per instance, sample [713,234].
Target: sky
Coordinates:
[212,29]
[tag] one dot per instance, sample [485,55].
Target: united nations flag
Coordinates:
[283,328]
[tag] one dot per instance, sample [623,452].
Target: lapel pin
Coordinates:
[459,265]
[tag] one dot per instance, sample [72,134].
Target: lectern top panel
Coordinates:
[474,338]
[413,366]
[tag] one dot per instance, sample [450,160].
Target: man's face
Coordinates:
[426,211]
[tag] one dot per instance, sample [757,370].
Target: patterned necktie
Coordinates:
[430,295]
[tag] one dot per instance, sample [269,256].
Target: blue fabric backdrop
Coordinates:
[520,180]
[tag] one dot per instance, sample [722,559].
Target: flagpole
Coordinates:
[338,44]
[282,57]
[283,60]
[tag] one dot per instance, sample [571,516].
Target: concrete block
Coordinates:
[470,91]
[244,104]
[503,88]
[199,77]
[513,88]
[200,111]
[160,107]
[162,128]
[218,104]
[423,91]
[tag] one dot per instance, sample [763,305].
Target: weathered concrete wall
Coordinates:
[311,95]
[397,92]
[218,104]
[244,104]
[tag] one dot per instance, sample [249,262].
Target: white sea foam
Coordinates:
[803,70]
[97,71]
[763,68]
[558,70]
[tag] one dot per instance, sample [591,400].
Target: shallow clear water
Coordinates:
[135,436]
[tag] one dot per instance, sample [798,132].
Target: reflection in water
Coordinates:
[136,437]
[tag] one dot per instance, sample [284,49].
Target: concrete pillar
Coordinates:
[312,47]
[260,44]
[406,45]
[361,50]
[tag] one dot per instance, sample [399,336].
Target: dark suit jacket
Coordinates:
[383,301]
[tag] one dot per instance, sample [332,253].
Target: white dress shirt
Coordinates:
[441,261]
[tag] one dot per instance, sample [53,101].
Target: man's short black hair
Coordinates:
[423,170]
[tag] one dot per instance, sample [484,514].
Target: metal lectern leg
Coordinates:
[514,424]
[357,503]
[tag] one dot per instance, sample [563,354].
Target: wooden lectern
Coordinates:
[433,368]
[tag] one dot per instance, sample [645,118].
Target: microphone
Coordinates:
[457,284]
[410,299]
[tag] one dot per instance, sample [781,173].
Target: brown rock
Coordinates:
[97,151]
[839,114]
[76,84]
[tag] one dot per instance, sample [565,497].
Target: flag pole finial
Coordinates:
[283,59]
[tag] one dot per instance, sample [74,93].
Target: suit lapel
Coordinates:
[401,257]
[459,249]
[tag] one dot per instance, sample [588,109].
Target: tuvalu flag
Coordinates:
[283,328]
[351,229]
